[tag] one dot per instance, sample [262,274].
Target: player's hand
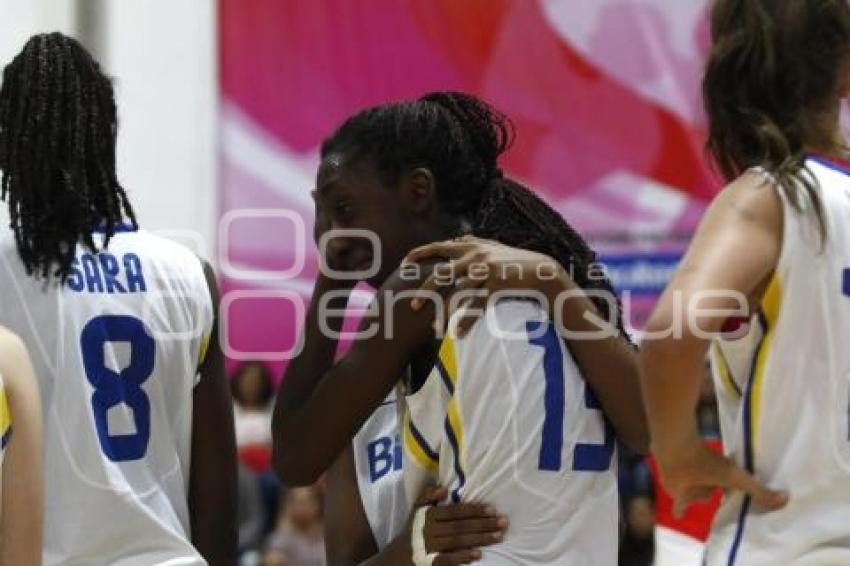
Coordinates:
[693,471]
[481,267]
[458,532]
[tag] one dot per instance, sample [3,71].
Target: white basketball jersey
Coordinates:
[116,349]
[505,418]
[784,395]
[378,464]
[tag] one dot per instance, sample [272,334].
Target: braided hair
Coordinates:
[58,129]
[459,138]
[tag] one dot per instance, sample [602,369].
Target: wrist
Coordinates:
[671,446]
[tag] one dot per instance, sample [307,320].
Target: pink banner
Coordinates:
[604,96]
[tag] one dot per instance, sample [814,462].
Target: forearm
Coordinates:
[672,371]
[320,413]
[397,553]
[607,360]
[314,434]
[304,372]
[214,539]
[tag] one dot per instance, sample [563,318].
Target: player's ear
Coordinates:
[418,191]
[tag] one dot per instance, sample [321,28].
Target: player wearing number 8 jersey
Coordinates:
[139,451]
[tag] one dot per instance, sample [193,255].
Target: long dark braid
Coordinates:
[460,138]
[58,129]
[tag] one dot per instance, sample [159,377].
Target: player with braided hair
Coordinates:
[57,152]
[414,173]
[121,326]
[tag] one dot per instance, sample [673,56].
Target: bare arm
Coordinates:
[348,536]
[304,372]
[672,366]
[22,498]
[212,486]
[456,532]
[306,440]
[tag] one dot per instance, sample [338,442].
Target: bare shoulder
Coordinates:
[752,197]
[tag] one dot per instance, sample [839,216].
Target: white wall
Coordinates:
[162,54]
[19,19]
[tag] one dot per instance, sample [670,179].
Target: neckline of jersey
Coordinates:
[100,228]
[835,163]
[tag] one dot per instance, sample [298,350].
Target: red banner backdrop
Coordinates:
[604,96]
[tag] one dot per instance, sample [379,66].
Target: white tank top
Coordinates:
[784,395]
[378,463]
[116,351]
[506,418]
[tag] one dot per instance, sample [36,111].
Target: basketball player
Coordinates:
[774,243]
[139,450]
[414,173]
[21,501]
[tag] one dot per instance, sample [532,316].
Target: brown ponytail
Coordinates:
[771,80]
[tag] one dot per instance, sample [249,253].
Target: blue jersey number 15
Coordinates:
[586,457]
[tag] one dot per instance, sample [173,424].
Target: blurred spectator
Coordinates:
[298,539]
[253,391]
[252,394]
[638,545]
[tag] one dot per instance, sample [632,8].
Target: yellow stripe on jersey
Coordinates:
[719,361]
[448,359]
[415,445]
[5,419]
[770,305]
[205,345]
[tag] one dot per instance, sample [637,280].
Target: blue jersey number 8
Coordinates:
[586,457]
[113,388]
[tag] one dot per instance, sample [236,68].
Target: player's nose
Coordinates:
[338,248]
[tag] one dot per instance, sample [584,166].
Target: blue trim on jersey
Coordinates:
[423,444]
[119,228]
[5,439]
[447,380]
[749,456]
[461,477]
[739,532]
[828,163]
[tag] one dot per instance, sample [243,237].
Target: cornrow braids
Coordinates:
[58,128]
[459,138]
